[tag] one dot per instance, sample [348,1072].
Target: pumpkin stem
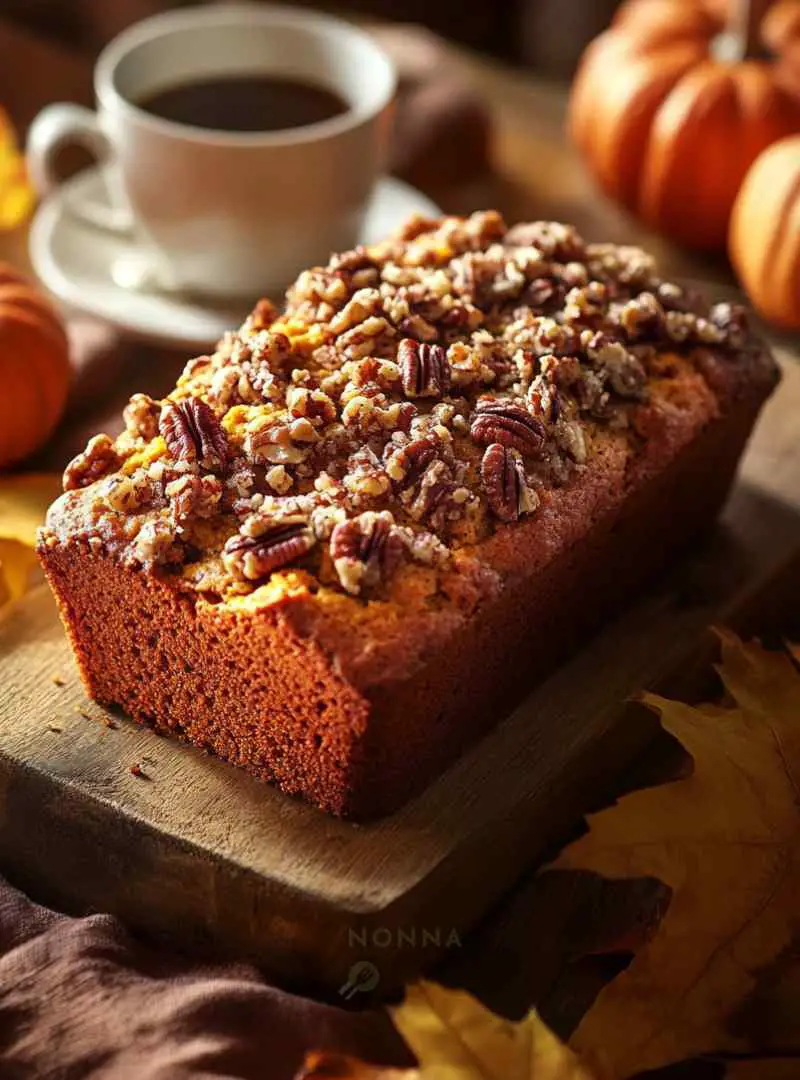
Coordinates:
[745,23]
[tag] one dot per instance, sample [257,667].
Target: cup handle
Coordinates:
[55,127]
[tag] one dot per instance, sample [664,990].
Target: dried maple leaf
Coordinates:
[329,1066]
[454,1037]
[17,564]
[23,504]
[726,840]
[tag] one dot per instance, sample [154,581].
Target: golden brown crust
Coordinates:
[353,722]
[337,535]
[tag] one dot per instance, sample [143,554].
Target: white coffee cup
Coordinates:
[223,213]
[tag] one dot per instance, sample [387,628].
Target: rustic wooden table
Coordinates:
[535,173]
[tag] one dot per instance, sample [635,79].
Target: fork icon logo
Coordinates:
[362,977]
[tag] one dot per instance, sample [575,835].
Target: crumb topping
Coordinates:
[413,398]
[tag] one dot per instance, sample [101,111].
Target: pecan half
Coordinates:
[509,424]
[193,434]
[97,460]
[505,484]
[365,549]
[254,557]
[407,464]
[424,368]
[438,498]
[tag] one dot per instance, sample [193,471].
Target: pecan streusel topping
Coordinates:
[413,398]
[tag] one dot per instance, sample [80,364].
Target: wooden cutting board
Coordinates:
[199,852]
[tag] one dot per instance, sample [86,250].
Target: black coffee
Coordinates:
[245,103]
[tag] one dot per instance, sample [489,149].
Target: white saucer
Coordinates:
[90,270]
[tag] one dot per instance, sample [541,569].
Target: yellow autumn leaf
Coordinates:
[329,1066]
[17,564]
[16,193]
[727,841]
[23,504]
[455,1037]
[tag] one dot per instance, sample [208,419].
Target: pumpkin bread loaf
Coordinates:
[349,539]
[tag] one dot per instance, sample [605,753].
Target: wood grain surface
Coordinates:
[195,850]
[203,855]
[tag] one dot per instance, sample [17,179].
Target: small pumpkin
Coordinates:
[34,367]
[765,233]
[669,116]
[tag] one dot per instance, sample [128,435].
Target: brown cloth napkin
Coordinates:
[81,999]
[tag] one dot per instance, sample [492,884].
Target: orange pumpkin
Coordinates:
[34,367]
[765,233]
[667,126]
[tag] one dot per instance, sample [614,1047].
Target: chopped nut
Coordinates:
[366,478]
[641,317]
[414,389]
[269,348]
[552,239]
[279,479]
[155,544]
[571,437]
[141,417]
[586,304]
[129,494]
[487,278]
[316,286]
[623,370]
[97,460]
[313,405]
[352,262]
[364,338]
[731,319]
[543,400]
[367,415]
[275,442]
[194,496]
[262,317]
[233,386]
[438,498]
[542,293]
[358,309]
[194,367]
